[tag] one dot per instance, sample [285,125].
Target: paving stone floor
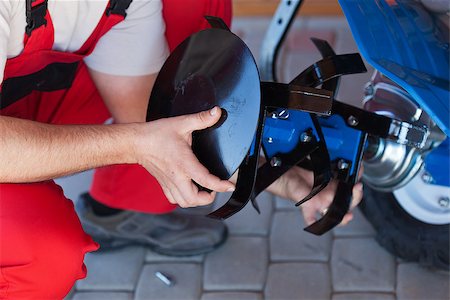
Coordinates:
[269,256]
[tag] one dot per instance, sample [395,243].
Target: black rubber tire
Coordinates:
[403,235]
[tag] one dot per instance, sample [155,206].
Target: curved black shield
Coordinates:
[212,67]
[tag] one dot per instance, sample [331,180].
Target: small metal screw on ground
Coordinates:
[352,121]
[164,278]
[305,137]
[275,161]
[444,202]
[342,164]
[427,178]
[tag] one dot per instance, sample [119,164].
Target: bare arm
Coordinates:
[125,96]
[32,151]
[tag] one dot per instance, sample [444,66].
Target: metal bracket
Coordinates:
[275,35]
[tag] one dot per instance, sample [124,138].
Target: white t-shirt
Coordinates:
[136,46]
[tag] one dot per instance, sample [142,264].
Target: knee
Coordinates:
[42,250]
[47,264]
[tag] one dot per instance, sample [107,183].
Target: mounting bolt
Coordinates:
[444,202]
[369,89]
[270,140]
[284,114]
[427,178]
[352,121]
[275,161]
[342,164]
[305,137]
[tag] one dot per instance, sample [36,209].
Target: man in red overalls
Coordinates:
[59,73]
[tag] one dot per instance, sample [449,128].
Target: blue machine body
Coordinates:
[402,40]
[437,163]
[406,43]
[342,141]
[282,135]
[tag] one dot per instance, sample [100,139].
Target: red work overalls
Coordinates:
[42,244]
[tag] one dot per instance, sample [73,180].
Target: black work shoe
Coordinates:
[173,234]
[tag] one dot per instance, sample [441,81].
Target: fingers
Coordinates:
[347,218]
[201,175]
[202,119]
[357,194]
[317,206]
[191,196]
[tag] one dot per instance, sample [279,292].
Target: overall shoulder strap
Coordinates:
[118,7]
[115,13]
[36,10]
[39,33]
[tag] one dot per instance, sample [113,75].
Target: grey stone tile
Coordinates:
[288,240]
[351,89]
[292,63]
[76,184]
[360,264]
[232,296]
[113,270]
[298,281]
[345,43]
[152,257]
[299,41]
[103,296]
[352,86]
[285,204]
[326,23]
[415,282]
[363,296]
[248,221]
[239,265]
[187,282]
[359,226]
[251,31]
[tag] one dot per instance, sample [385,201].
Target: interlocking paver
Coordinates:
[360,264]
[113,270]
[103,296]
[240,264]
[152,257]
[248,221]
[76,184]
[289,242]
[351,87]
[284,204]
[363,296]
[251,30]
[415,282]
[297,62]
[298,281]
[232,296]
[187,282]
[299,40]
[329,22]
[359,226]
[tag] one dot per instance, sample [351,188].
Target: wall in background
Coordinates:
[268,7]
